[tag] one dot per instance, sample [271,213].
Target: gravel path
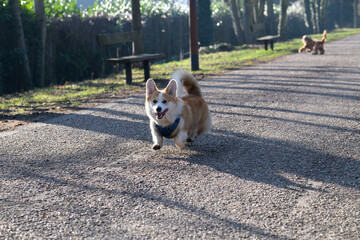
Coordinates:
[281,162]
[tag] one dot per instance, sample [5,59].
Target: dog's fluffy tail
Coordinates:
[324,36]
[186,80]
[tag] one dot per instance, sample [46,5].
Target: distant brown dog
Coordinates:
[316,45]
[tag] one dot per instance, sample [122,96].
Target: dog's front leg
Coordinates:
[157,138]
[158,141]
[180,139]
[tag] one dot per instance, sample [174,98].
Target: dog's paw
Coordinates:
[156,147]
[180,145]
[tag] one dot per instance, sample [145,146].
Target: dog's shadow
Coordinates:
[270,161]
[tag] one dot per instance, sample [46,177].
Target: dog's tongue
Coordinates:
[161,115]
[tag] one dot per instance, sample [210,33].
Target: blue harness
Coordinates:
[168,130]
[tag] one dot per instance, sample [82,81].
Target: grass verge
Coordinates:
[74,94]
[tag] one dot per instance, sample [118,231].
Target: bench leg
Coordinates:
[146,69]
[266,45]
[272,45]
[128,73]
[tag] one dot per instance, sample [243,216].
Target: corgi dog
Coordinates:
[173,115]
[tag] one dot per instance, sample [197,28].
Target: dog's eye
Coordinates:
[164,101]
[155,101]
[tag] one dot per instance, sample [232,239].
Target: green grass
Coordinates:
[74,94]
[64,96]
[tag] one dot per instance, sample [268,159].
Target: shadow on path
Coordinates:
[268,161]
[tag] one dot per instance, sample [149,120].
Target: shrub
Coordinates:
[71,66]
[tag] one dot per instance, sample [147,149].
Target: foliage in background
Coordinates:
[219,8]
[61,8]
[205,23]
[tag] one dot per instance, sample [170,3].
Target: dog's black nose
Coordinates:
[158,109]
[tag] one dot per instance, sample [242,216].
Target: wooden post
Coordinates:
[128,72]
[146,69]
[138,47]
[194,48]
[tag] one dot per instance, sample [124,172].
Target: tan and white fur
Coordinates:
[310,44]
[164,106]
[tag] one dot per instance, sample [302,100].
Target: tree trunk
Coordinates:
[282,19]
[355,13]
[248,20]
[138,46]
[308,16]
[315,15]
[323,15]
[341,11]
[270,14]
[259,11]
[235,18]
[41,27]
[19,43]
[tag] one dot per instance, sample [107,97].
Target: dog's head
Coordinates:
[161,105]
[306,39]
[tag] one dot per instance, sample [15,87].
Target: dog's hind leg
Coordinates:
[192,137]
[180,139]
[322,51]
[315,51]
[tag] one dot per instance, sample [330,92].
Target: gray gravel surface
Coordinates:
[281,162]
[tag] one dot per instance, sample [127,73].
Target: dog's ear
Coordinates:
[171,88]
[150,87]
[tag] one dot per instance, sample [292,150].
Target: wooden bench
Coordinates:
[260,27]
[107,40]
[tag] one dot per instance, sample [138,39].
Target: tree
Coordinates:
[284,4]
[319,14]
[323,9]
[248,19]
[235,13]
[205,23]
[308,16]
[259,8]
[41,28]
[355,13]
[19,45]
[138,46]
[270,19]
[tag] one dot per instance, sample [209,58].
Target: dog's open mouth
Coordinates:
[161,114]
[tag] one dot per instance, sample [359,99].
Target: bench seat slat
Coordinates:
[135,58]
